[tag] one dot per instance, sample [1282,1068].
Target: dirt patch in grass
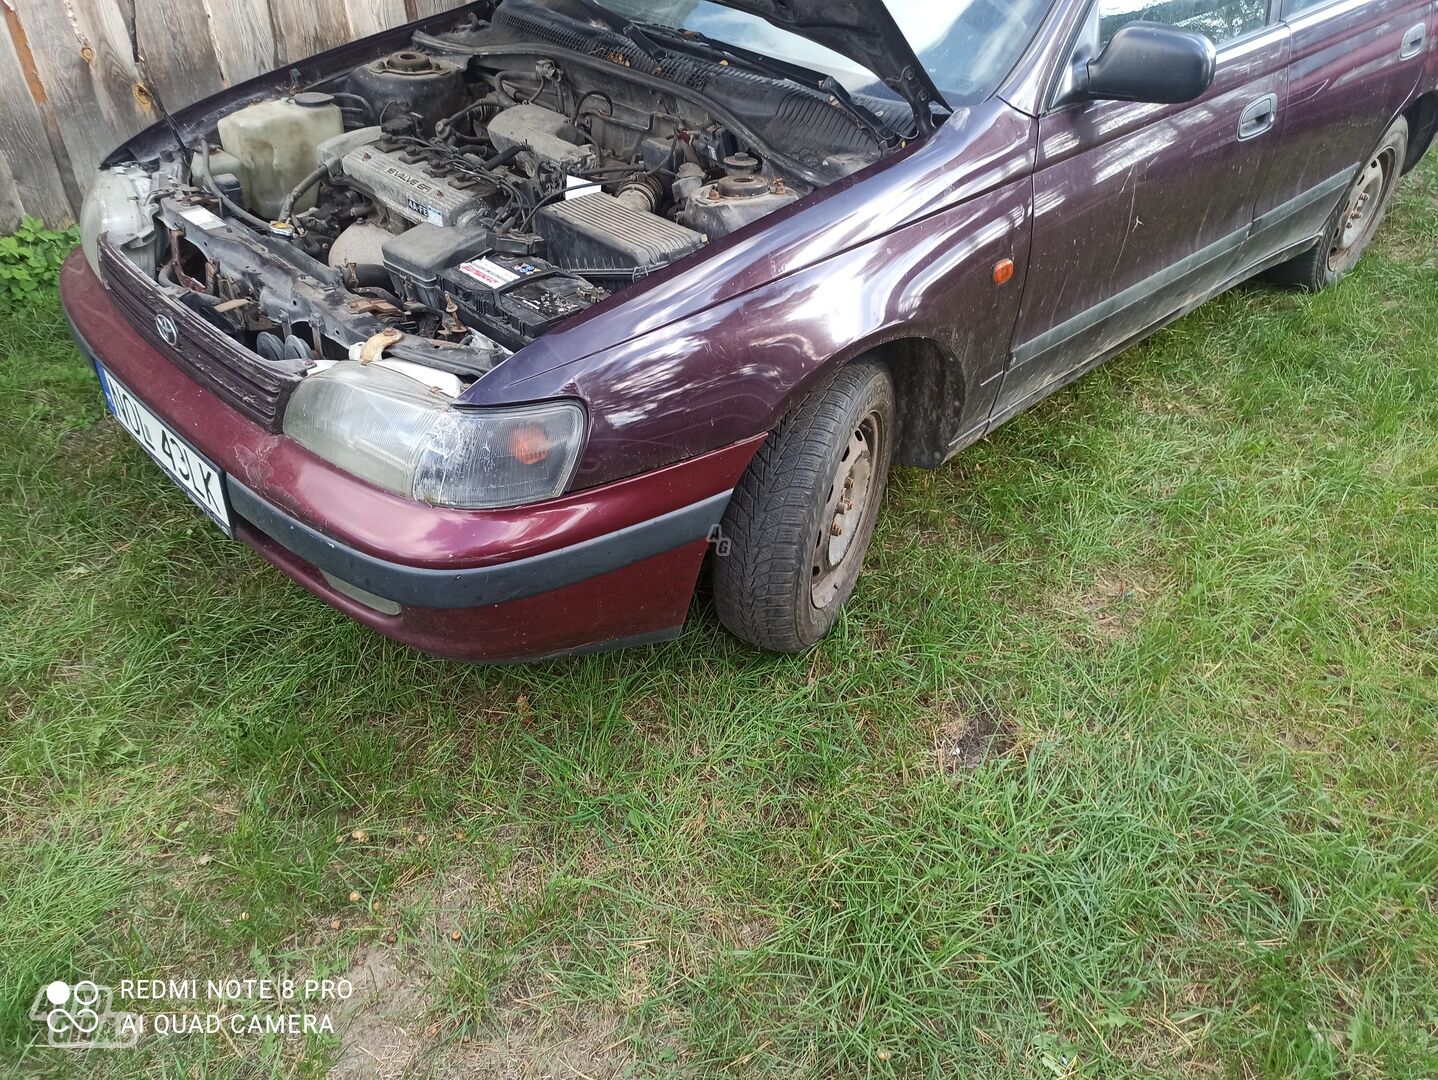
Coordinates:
[383,1028]
[380,1027]
[465,889]
[1115,603]
[523,1043]
[967,737]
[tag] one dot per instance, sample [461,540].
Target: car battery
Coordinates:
[517,297]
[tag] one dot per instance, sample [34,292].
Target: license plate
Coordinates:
[197,476]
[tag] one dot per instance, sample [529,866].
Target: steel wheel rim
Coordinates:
[846,511]
[1360,215]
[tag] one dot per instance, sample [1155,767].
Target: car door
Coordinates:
[1139,210]
[1354,66]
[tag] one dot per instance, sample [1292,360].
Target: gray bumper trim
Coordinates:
[480,586]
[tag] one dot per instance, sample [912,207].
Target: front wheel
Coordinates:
[1354,221]
[801,519]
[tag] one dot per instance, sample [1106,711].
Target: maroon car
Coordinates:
[495,330]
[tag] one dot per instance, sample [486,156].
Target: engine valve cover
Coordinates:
[412,191]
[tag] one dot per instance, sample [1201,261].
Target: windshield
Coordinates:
[967,50]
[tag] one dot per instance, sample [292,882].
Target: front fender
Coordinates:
[732,370]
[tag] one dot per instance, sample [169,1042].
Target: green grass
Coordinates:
[1193,597]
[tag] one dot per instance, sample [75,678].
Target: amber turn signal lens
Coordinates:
[528,444]
[1003,271]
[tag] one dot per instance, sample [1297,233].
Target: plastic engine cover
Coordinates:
[598,235]
[548,134]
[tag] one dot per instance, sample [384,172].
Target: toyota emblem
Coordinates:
[167,329]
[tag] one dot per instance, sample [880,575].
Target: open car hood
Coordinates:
[862,30]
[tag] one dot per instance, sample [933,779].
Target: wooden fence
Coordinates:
[78,77]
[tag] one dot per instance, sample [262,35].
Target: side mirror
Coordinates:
[1152,63]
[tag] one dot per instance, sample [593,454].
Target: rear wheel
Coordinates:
[801,520]
[1355,220]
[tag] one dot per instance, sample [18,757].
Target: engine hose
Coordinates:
[479,105]
[498,80]
[687,152]
[363,102]
[504,157]
[225,201]
[584,98]
[287,211]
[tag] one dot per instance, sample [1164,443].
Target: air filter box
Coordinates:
[597,235]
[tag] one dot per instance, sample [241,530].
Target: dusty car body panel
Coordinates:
[1346,69]
[358,514]
[1136,190]
[632,596]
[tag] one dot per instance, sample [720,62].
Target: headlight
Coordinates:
[118,203]
[400,435]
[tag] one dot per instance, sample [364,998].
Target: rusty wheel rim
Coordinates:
[1360,215]
[846,512]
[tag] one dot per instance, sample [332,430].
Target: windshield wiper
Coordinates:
[642,34]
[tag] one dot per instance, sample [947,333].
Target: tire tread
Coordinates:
[766,523]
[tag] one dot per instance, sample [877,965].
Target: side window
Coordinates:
[1219,20]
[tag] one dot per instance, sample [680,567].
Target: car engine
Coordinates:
[470,192]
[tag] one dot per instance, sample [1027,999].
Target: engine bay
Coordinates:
[462,196]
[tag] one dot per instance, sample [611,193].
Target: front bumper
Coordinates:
[614,565]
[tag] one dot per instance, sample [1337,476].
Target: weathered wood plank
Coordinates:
[243,36]
[371,16]
[306,27]
[11,210]
[29,156]
[423,9]
[179,59]
[85,60]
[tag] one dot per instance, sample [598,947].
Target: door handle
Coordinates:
[1413,42]
[1258,117]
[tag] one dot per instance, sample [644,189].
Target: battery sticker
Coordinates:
[489,273]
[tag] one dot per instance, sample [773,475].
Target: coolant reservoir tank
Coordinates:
[276,142]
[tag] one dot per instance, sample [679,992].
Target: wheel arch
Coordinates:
[931,394]
[1422,117]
